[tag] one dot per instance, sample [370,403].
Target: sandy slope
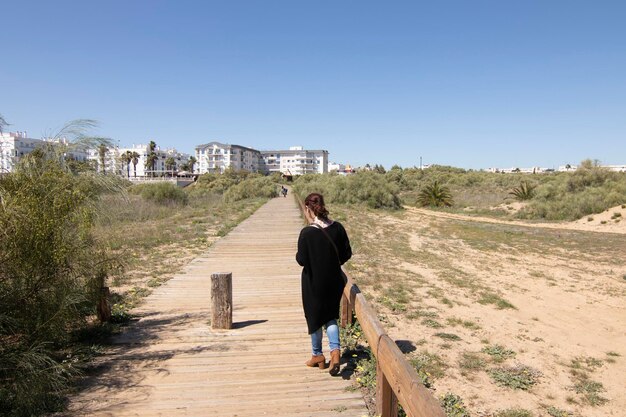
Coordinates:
[568,289]
[593,225]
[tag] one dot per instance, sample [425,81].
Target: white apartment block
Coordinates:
[111,163]
[15,145]
[296,161]
[337,167]
[216,157]
[532,170]
[140,170]
[615,168]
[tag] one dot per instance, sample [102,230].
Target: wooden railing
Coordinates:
[396,380]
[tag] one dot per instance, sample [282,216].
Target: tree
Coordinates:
[170,163]
[102,152]
[135,160]
[192,161]
[379,168]
[152,157]
[435,195]
[127,157]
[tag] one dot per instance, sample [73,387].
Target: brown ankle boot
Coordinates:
[317,360]
[334,362]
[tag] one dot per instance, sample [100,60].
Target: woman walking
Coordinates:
[323,247]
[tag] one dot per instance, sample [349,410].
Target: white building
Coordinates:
[141,152]
[112,165]
[616,168]
[218,157]
[337,167]
[295,161]
[13,146]
[532,170]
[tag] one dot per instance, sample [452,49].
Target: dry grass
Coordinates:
[155,241]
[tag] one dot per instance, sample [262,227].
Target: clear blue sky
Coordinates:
[465,83]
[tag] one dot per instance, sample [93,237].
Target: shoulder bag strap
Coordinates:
[317,226]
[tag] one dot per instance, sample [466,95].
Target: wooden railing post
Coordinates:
[386,400]
[222,300]
[104,305]
[346,311]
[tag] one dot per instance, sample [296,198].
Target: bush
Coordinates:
[161,193]
[252,187]
[366,187]
[435,195]
[51,272]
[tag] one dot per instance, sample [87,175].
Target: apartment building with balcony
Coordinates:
[143,151]
[16,145]
[295,161]
[216,157]
[13,146]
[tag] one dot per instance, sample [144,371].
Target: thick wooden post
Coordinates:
[386,401]
[104,305]
[346,311]
[222,300]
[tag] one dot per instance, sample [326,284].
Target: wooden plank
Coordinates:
[171,363]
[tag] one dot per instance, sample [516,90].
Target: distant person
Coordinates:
[323,247]
[285,191]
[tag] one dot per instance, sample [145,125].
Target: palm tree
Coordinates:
[525,191]
[170,163]
[135,160]
[102,152]
[127,157]
[152,156]
[191,163]
[435,195]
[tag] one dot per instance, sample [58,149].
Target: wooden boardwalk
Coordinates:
[171,363]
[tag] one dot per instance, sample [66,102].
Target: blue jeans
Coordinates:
[332,332]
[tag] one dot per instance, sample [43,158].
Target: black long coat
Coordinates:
[322,281]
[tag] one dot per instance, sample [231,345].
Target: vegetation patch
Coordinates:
[590,391]
[487,297]
[498,353]
[520,377]
[472,362]
[432,323]
[429,366]
[161,193]
[448,336]
[453,406]
[514,412]
[557,412]
[468,324]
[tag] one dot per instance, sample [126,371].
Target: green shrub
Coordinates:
[435,195]
[524,191]
[514,412]
[161,193]
[51,272]
[453,406]
[516,377]
[253,187]
[366,187]
[570,196]
[498,353]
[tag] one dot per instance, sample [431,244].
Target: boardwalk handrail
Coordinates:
[396,380]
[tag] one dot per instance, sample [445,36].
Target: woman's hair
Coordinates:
[315,202]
